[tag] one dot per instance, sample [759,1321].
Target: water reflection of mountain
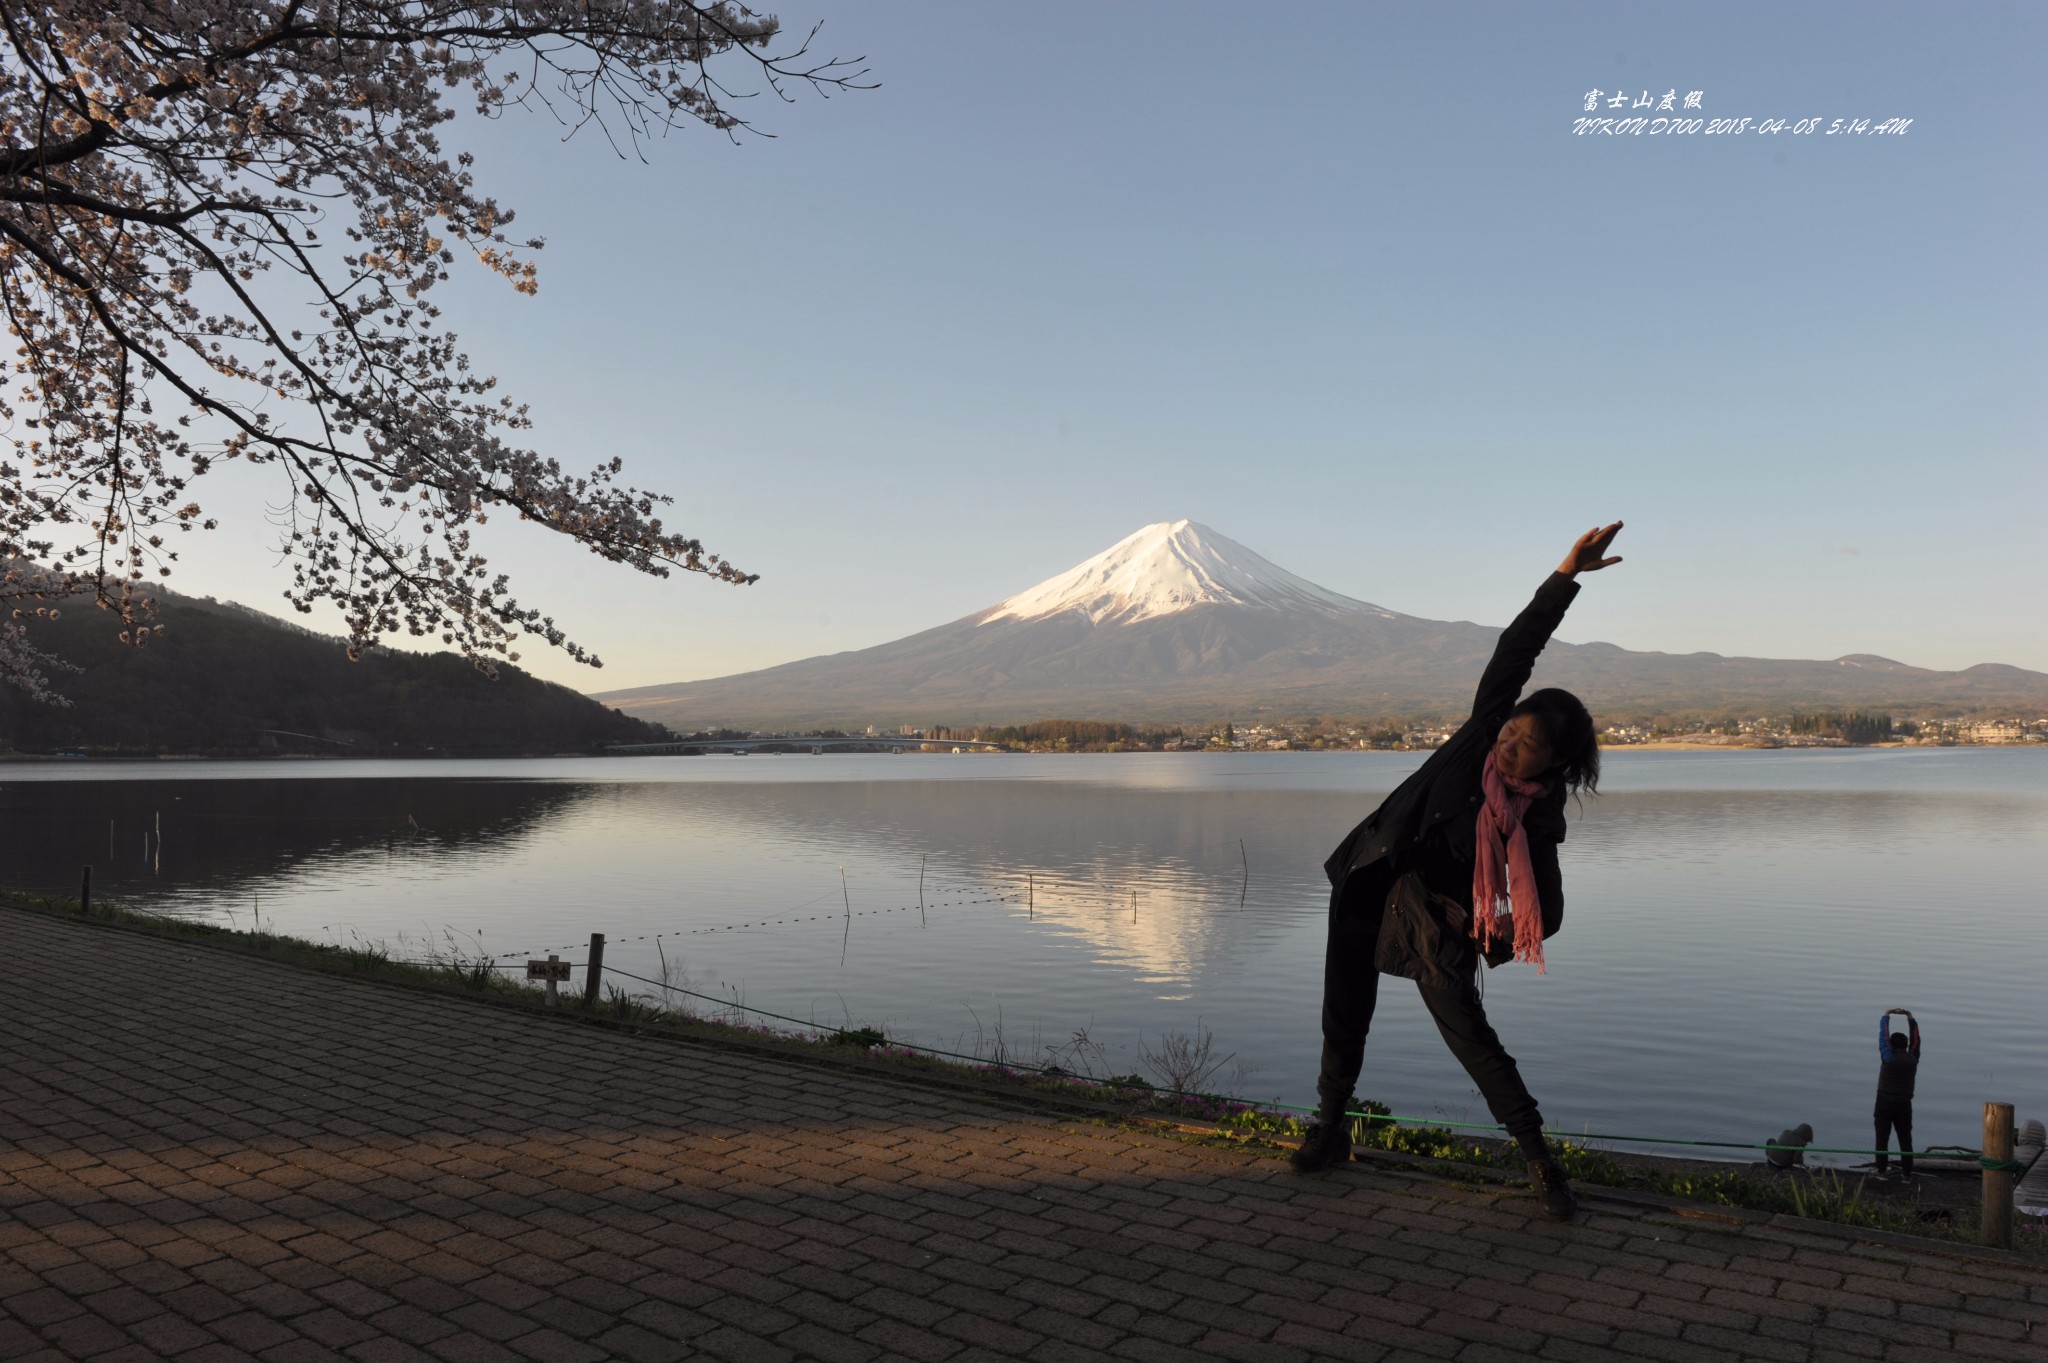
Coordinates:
[689,855]
[220,835]
[1082,851]
[1090,846]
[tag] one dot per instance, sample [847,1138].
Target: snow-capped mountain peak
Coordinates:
[1168,567]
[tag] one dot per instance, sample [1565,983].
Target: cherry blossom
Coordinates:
[221,223]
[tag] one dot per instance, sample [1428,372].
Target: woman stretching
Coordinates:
[1461,860]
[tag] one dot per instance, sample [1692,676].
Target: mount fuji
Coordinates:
[1179,623]
[1167,568]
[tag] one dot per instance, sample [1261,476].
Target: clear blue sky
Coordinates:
[1337,280]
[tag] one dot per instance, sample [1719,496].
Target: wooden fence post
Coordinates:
[593,973]
[85,889]
[1996,1215]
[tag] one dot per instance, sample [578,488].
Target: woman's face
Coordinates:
[1523,749]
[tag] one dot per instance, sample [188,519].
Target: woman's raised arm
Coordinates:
[1514,655]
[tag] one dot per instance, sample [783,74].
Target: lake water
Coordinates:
[1734,922]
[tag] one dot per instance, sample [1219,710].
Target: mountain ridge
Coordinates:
[1177,622]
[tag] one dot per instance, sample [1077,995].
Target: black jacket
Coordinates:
[1442,798]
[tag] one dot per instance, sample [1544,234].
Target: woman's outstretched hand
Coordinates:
[1587,555]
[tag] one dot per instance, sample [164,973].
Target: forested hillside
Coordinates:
[226,680]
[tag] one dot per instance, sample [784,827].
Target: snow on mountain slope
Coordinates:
[1169,567]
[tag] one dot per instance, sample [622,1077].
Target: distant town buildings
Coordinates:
[1826,730]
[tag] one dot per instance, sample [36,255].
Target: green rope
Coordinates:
[1948,1153]
[2001,1166]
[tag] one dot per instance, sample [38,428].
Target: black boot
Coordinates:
[1328,1141]
[1546,1176]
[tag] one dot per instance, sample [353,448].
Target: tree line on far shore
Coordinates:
[1394,733]
[1854,727]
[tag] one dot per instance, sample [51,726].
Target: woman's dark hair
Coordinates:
[1575,752]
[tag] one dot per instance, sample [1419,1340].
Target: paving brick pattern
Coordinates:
[204,1157]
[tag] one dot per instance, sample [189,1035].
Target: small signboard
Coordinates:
[550,969]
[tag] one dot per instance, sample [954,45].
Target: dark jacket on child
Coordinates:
[1897,1069]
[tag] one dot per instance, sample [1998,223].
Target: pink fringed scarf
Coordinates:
[1503,849]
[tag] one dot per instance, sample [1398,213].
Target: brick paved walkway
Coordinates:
[205,1157]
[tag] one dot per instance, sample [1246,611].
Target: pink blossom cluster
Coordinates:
[221,222]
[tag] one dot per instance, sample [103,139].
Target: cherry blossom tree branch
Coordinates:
[167,171]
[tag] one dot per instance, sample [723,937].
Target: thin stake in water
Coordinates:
[846,936]
[1134,908]
[1245,862]
[920,891]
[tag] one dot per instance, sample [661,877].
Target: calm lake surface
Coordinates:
[1734,922]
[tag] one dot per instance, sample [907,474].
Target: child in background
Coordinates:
[1899,1053]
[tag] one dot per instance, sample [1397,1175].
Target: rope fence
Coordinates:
[1057,891]
[991,894]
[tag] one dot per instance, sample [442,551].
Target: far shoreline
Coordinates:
[1681,745]
[48,760]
